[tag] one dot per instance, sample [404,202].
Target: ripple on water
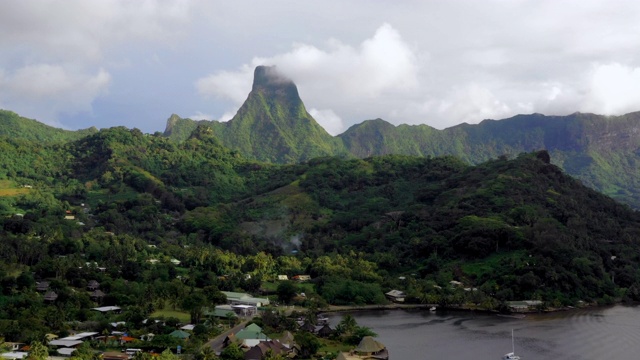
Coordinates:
[588,334]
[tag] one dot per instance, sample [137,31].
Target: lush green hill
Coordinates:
[16,127]
[513,229]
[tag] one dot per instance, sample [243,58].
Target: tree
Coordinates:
[167,355]
[232,352]
[214,295]
[347,325]
[309,344]
[206,353]
[357,335]
[141,356]
[286,291]
[84,352]
[271,356]
[38,351]
[194,303]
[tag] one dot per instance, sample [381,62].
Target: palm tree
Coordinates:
[347,325]
[206,353]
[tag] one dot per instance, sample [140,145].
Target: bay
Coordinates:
[581,334]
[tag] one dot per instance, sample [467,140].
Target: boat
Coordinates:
[433,308]
[512,355]
[513,316]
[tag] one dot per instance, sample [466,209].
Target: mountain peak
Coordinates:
[267,78]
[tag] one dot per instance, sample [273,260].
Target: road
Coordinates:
[216,342]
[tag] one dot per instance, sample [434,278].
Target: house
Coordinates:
[106,309]
[287,340]
[180,334]
[325,331]
[97,295]
[69,217]
[65,343]
[188,327]
[93,285]
[66,351]
[42,286]
[13,346]
[15,355]
[251,335]
[368,348]
[396,295]
[302,278]
[223,311]
[308,327]
[235,298]
[261,349]
[90,335]
[175,261]
[283,277]
[522,306]
[50,296]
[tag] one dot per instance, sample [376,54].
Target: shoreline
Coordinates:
[397,306]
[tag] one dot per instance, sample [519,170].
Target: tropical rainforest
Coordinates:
[161,222]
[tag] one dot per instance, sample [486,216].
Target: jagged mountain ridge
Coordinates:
[273,125]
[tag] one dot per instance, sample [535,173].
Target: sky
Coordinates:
[76,63]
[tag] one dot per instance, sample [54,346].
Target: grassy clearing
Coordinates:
[168,312]
[488,265]
[305,287]
[13,192]
[9,188]
[104,195]
[333,347]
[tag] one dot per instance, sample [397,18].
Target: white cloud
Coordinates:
[339,76]
[231,85]
[72,29]
[55,89]
[613,89]
[473,103]
[228,115]
[200,116]
[328,120]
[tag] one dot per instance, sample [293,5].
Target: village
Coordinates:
[245,327]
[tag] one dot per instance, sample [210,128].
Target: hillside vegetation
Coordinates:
[164,223]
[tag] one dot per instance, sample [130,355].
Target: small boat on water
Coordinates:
[433,308]
[512,355]
[513,316]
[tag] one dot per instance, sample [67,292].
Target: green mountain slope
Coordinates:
[272,125]
[601,151]
[179,129]
[14,126]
